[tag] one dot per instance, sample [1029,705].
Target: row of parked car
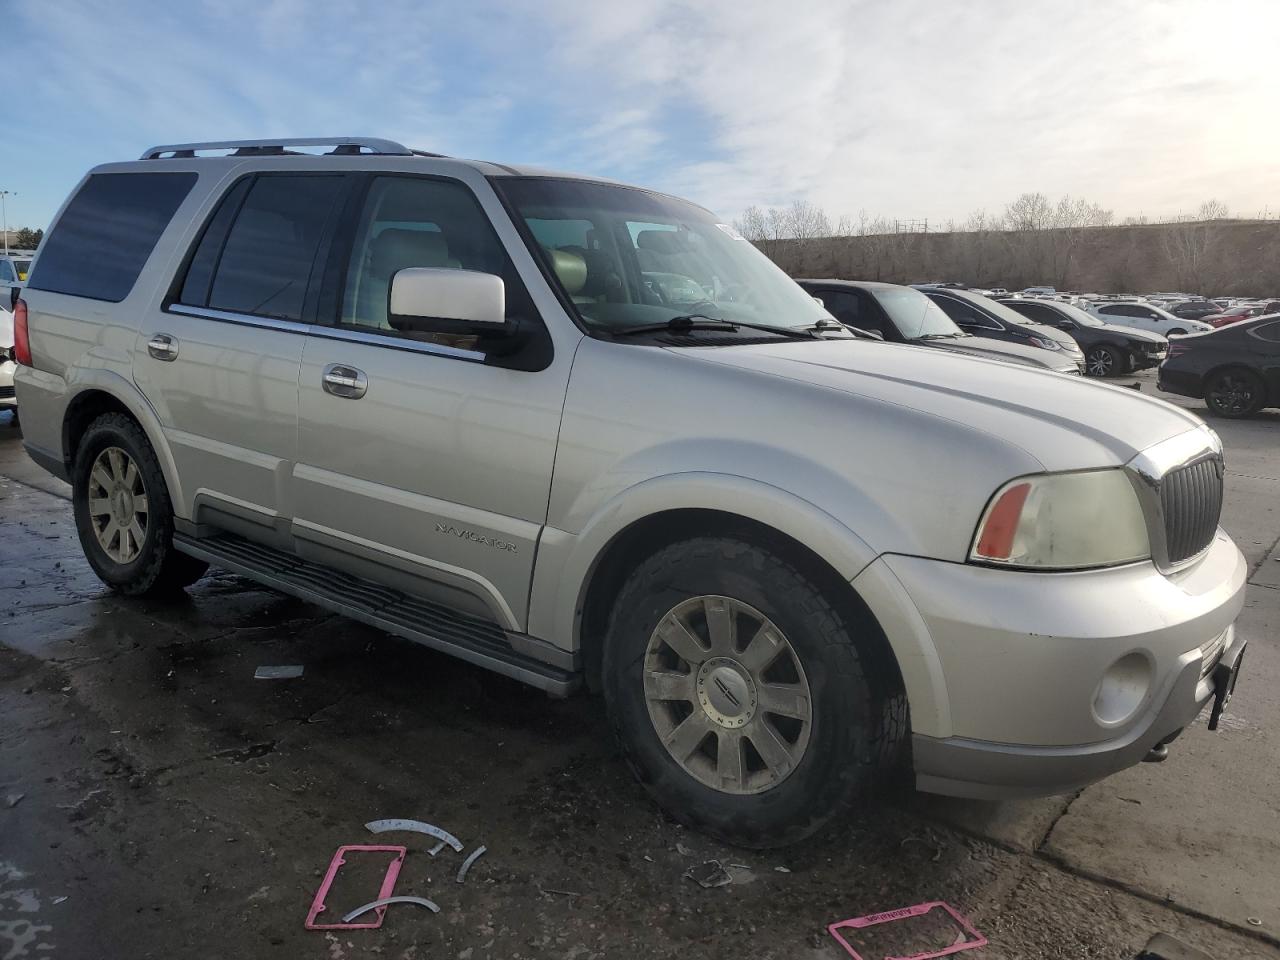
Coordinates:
[1236,371]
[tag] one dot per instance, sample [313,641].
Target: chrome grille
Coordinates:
[1191,503]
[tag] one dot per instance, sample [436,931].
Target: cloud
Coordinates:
[912,109]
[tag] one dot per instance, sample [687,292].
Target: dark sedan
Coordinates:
[1193,309]
[984,317]
[1236,369]
[905,315]
[1109,351]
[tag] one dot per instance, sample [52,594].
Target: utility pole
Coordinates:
[4,217]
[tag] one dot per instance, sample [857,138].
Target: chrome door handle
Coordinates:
[163,347]
[343,381]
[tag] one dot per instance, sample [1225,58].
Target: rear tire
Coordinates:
[1177,332]
[123,513]
[680,668]
[1234,393]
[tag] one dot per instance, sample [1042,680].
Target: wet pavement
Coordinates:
[158,801]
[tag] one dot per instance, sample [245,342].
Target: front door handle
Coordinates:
[343,381]
[163,347]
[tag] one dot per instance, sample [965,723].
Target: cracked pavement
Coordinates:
[183,808]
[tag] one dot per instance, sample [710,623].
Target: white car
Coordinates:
[6,358]
[1147,316]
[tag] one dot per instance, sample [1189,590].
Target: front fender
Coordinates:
[566,561]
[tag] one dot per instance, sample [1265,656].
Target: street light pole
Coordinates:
[4,217]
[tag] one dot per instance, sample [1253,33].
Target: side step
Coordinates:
[434,625]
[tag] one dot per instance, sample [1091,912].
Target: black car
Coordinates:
[1235,369]
[1194,309]
[984,317]
[905,315]
[1109,350]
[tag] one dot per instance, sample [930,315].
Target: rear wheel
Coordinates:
[1234,393]
[1104,361]
[123,513]
[749,704]
[1177,332]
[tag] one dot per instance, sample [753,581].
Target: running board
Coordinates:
[480,642]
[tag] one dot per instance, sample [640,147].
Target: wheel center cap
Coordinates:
[123,505]
[726,692]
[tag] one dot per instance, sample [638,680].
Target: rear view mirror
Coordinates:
[445,300]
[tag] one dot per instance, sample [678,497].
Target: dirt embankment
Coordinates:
[1240,257]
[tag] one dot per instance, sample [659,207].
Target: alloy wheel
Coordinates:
[1101,363]
[1232,393]
[727,695]
[118,508]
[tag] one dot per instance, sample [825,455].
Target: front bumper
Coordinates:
[1021,658]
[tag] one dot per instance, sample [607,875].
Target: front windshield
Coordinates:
[1078,315]
[22,266]
[1007,314]
[914,314]
[626,257]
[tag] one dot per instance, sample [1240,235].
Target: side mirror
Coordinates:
[443,300]
[1066,325]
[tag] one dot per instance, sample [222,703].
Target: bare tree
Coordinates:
[1191,247]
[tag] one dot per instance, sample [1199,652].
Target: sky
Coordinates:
[909,109]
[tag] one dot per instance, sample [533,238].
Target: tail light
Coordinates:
[1177,349]
[21,338]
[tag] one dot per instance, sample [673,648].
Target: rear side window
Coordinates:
[107,233]
[259,250]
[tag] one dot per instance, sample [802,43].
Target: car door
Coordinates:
[219,358]
[429,466]
[1129,315]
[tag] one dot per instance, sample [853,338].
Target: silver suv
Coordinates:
[585,434]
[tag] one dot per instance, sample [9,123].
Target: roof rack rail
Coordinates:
[342,146]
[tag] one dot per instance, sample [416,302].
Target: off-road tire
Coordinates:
[859,721]
[158,569]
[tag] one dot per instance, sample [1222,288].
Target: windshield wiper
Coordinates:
[698,321]
[941,336]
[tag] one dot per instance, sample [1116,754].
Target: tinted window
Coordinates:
[104,237]
[963,314]
[195,289]
[6,271]
[267,261]
[842,305]
[1267,331]
[416,222]
[1035,311]
[1123,310]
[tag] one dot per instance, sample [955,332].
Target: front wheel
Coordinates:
[1177,332]
[748,703]
[123,513]
[1104,361]
[1234,394]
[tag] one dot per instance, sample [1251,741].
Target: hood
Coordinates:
[992,349]
[1061,337]
[1133,333]
[1064,422]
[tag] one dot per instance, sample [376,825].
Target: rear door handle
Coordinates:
[163,347]
[346,382]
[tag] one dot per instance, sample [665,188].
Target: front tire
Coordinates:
[1234,394]
[1104,361]
[749,704]
[123,513]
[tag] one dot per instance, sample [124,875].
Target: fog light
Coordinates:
[1122,690]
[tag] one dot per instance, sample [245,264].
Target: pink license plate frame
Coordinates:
[973,938]
[339,858]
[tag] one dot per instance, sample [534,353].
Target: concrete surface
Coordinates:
[183,808]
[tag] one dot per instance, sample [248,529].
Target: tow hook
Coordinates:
[1157,754]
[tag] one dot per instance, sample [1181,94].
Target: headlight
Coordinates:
[1045,343]
[1063,521]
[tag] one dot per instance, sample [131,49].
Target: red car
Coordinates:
[1243,312]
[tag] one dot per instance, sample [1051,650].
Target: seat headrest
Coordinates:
[397,249]
[661,241]
[570,268]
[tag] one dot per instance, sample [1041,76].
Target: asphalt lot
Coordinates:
[158,801]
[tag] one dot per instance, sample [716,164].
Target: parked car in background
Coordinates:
[7,365]
[1244,311]
[1039,292]
[984,317]
[997,292]
[1147,316]
[1109,350]
[791,560]
[1193,309]
[905,315]
[1235,369]
[13,273]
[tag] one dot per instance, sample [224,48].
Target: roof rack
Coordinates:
[342,146]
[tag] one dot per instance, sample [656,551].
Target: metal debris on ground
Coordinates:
[1255,922]
[781,869]
[709,874]
[288,672]
[414,826]
[476,854]
[960,933]
[58,900]
[339,858]
[387,901]
[13,799]
[683,850]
